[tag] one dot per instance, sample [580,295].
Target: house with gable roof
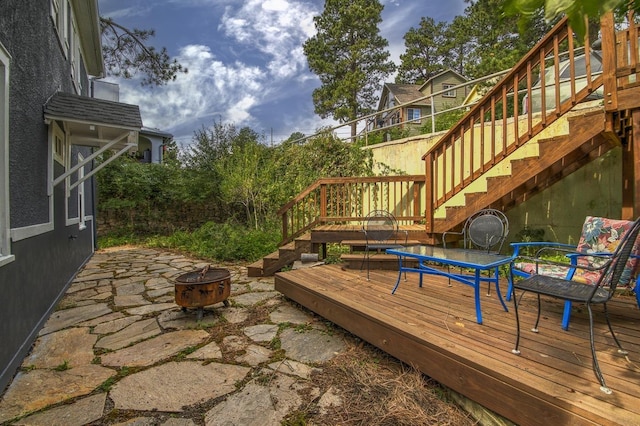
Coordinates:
[51,132]
[417,104]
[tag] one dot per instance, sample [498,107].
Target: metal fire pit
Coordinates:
[204,287]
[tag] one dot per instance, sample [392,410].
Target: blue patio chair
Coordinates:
[600,236]
[610,271]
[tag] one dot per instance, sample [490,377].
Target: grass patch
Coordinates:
[334,251]
[224,242]
[63,367]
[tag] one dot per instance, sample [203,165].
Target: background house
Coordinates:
[151,144]
[51,131]
[417,104]
[151,141]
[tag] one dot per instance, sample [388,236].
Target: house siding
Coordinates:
[441,102]
[46,262]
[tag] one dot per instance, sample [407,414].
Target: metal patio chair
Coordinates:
[381,231]
[485,230]
[610,272]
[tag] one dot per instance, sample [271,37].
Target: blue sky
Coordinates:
[245,60]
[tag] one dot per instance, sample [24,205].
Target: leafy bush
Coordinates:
[221,241]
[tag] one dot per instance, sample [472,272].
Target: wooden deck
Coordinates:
[433,328]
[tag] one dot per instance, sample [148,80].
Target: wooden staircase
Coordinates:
[284,256]
[479,163]
[558,157]
[316,240]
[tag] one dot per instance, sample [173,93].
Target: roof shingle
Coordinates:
[82,108]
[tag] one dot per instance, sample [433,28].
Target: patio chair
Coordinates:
[610,271]
[599,236]
[381,232]
[485,230]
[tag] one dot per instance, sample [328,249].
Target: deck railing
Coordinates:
[529,98]
[559,72]
[622,56]
[347,200]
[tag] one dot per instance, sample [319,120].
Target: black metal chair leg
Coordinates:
[621,350]
[595,364]
[368,264]
[535,327]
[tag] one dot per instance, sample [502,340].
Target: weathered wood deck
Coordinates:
[433,328]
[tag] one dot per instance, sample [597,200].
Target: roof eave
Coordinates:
[88,20]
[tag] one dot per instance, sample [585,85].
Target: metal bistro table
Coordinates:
[470,259]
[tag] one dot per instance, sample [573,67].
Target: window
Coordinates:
[413,115]
[5,244]
[59,10]
[449,93]
[59,145]
[75,55]
[82,213]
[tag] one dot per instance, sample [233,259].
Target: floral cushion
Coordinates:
[548,270]
[599,235]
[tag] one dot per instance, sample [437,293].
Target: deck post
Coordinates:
[631,171]
[609,63]
[428,191]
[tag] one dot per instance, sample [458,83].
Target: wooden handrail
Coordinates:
[349,199]
[527,99]
[505,119]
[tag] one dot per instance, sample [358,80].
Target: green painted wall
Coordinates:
[593,190]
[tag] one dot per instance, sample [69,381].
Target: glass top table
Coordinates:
[476,260]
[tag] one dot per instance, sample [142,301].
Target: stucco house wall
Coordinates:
[45,250]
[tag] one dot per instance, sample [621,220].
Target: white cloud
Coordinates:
[276,28]
[246,62]
[270,64]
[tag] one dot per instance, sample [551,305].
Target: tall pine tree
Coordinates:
[350,58]
[425,53]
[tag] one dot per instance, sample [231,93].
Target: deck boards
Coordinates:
[433,328]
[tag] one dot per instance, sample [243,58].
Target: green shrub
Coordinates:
[221,241]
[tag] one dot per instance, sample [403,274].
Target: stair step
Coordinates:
[359,245]
[255,269]
[383,261]
[558,156]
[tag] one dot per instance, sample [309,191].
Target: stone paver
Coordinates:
[255,355]
[119,315]
[312,346]
[115,325]
[210,351]
[68,317]
[156,349]
[40,388]
[172,386]
[249,299]
[151,308]
[79,413]
[73,347]
[287,313]
[139,330]
[261,332]
[294,368]
[128,300]
[129,289]
[257,405]
[236,315]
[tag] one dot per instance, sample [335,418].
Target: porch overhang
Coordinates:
[96,123]
[90,121]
